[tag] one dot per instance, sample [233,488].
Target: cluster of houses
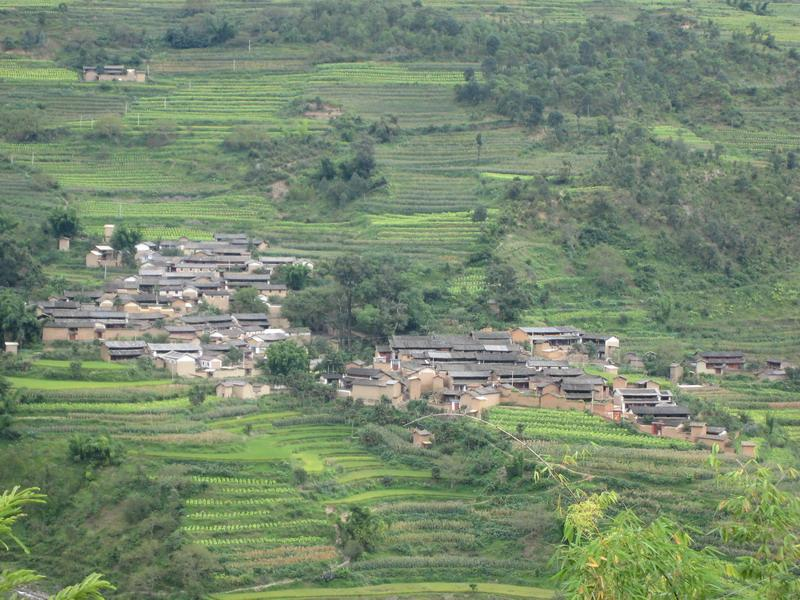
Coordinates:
[182,296]
[533,367]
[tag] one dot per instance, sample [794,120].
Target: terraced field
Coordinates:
[574,427]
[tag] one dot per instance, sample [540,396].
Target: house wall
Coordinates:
[181,368]
[470,402]
[414,387]
[371,394]
[619,382]
[51,334]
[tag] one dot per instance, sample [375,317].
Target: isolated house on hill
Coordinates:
[718,363]
[113,73]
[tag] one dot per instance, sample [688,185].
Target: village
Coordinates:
[176,311]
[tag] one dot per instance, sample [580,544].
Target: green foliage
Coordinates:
[197,394]
[24,126]
[96,450]
[18,268]
[63,222]
[109,128]
[125,238]
[626,558]
[286,359]
[606,266]
[18,321]
[362,530]
[91,588]
[508,290]
[762,516]
[200,31]
[295,276]
[377,294]
[12,503]
[247,300]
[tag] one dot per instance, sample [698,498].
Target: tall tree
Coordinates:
[285,359]
[18,321]
[63,222]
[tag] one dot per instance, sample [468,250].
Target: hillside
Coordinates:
[620,166]
[230,137]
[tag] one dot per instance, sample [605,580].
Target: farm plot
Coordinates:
[258,523]
[576,428]
[34,71]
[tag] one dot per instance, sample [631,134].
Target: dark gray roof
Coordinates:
[668,410]
[119,345]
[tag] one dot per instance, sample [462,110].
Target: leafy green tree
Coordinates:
[124,240]
[197,394]
[18,321]
[12,503]
[108,127]
[248,300]
[97,450]
[285,359]
[295,276]
[17,267]
[233,356]
[479,214]
[361,530]
[23,125]
[63,222]
[503,285]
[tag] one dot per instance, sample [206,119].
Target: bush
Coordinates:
[95,450]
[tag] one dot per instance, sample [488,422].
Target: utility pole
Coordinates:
[234,65]
[33,156]
[249,47]
[137,120]
[165,103]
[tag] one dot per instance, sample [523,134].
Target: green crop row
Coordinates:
[256,526]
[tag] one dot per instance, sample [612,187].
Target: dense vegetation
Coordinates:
[449,166]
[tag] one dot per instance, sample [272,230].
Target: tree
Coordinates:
[555,120]
[23,125]
[362,529]
[18,321]
[478,146]
[12,503]
[285,359]
[197,394]
[504,286]
[17,267]
[63,222]
[125,238]
[96,450]
[108,127]
[248,300]
[295,276]
[479,214]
